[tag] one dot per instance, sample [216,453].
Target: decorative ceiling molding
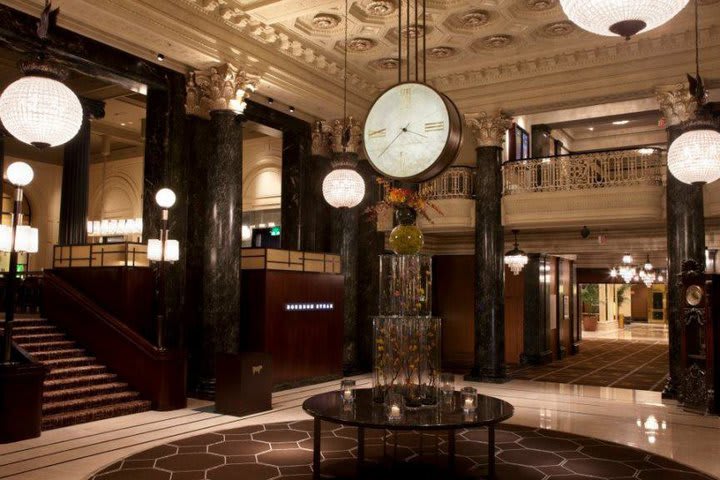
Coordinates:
[222,87]
[488,130]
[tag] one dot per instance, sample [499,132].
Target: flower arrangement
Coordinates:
[396,197]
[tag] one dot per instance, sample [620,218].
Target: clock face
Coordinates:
[693,295]
[412,132]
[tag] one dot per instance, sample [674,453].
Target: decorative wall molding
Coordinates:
[222,87]
[489,131]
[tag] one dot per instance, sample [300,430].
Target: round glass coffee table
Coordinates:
[365,413]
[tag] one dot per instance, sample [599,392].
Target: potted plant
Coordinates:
[590,298]
[620,300]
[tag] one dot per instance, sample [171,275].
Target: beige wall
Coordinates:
[119,193]
[262,173]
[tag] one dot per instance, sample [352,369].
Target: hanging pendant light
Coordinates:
[648,267]
[623,18]
[38,109]
[516,259]
[344,187]
[694,157]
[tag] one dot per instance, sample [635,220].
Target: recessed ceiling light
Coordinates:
[122,124]
[621,122]
[591,128]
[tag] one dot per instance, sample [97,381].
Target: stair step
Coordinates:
[95,401]
[43,356]
[46,346]
[92,414]
[76,371]
[19,329]
[78,381]
[84,391]
[77,361]
[39,338]
[31,322]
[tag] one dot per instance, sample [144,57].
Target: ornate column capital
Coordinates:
[489,131]
[222,87]
[676,103]
[336,136]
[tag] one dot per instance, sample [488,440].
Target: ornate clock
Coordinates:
[412,132]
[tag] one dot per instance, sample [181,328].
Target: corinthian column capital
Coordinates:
[336,136]
[222,87]
[489,131]
[676,103]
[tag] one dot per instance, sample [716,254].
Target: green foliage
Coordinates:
[620,295]
[590,295]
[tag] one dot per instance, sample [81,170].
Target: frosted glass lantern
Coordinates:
[172,250]
[624,18]
[343,188]
[5,238]
[20,174]
[26,239]
[694,157]
[40,111]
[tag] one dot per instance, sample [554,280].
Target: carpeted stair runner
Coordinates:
[77,388]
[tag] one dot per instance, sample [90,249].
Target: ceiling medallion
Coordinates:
[539,5]
[474,19]
[441,53]
[361,45]
[412,31]
[388,63]
[325,21]
[558,29]
[379,8]
[497,41]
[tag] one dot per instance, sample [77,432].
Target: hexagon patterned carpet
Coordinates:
[284,450]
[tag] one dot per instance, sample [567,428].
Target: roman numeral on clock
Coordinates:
[405,97]
[434,126]
[377,133]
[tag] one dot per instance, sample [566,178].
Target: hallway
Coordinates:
[633,364]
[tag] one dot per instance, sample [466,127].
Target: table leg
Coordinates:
[491,451]
[451,451]
[316,449]
[361,446]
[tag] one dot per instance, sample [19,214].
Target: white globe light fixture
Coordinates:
[623,18]
[516,259]
[20,174]
[40,111]
[343,188]
[694,157]
[165,198]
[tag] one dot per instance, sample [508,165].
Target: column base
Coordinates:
[542,358]
[488,376]
[670,390]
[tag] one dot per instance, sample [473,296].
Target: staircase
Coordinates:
[77,388]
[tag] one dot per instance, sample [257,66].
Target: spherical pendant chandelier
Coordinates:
[38,109]
[694,157]
[516,259]
[343,188]
[624,18]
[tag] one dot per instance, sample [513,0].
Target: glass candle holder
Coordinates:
[394,406]
[468,399]
[347,391]
[447,382]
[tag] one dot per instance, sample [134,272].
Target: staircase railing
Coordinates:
[159,375]
[614,168]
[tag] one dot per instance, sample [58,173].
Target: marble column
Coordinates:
[685,224]
[76,179]
[165,166]
[218,93]
[536,329]
[489,348]
[342,139]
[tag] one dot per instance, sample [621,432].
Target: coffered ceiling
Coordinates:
[520,55]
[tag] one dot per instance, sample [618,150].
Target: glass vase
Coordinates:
[406,285]
[406,238]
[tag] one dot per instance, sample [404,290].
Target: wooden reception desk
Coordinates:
[293,310]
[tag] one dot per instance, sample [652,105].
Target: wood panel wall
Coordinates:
[514,316]
[453,301]
[303,345]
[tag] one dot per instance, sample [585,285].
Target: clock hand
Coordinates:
[415,133]
[393,140]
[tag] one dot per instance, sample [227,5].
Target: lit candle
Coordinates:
[468,403]
[394,411]
[347,394]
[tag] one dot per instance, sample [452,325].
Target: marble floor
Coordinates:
[635,418]
[635,331]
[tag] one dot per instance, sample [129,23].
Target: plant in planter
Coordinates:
[620,300]
[590,298]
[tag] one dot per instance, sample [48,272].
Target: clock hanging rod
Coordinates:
[412,40]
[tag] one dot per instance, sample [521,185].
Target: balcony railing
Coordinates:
[126,254]
[616,168]
[455,182]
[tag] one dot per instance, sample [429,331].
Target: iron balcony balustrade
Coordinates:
[453,183]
